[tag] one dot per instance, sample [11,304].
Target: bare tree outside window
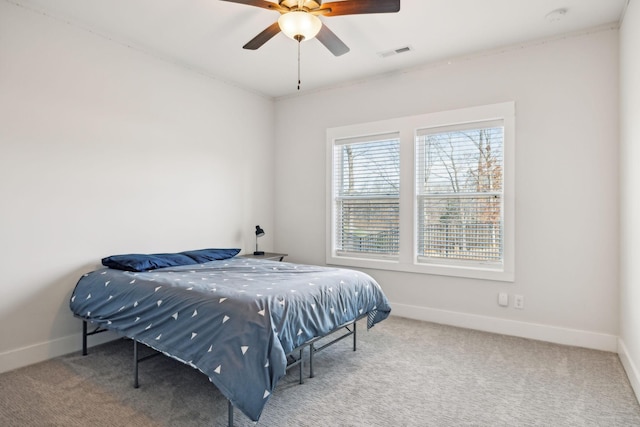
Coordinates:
[460,193]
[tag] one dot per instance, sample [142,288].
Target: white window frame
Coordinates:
[338,197]
[407,127]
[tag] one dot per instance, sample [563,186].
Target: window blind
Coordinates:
[459,192]
[367,195]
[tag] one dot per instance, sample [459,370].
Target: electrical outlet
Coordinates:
[518,302]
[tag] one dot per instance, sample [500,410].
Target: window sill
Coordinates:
[475,272]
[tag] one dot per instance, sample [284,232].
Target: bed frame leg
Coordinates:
[230,416]
[135,364]
[84,337]
[301,365]
[354,335]
[312,350]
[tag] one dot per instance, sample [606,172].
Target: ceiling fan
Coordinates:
[299,19]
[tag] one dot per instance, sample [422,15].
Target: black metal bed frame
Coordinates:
[349,326]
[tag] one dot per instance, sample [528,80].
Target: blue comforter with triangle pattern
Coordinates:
[235,320]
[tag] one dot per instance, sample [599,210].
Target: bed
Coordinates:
[238,320]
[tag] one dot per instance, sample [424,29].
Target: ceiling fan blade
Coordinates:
[331,41]
[263,37]
[355,7]
[260,3]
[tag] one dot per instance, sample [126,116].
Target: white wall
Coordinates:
[566,183]
[103,150]
[629,194]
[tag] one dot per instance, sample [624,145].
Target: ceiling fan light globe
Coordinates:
[298,23]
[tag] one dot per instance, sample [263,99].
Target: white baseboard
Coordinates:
[18,358]
[629,367]
[25,356]
[554,334]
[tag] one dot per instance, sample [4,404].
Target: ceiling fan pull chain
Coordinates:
[299,64]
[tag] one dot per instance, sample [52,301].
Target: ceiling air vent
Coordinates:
[393,52]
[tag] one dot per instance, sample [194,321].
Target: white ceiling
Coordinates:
[208,35]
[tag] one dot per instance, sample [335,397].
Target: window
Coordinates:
[459,193]
[367,195]
[427,194]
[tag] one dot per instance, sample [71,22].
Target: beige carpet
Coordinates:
[405,373]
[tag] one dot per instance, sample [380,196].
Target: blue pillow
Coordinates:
[144,262]
[206,255]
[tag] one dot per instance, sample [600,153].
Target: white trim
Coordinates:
[406,128]
[21,357]
[486,273]
[535,331]
[630,368]
[25,356]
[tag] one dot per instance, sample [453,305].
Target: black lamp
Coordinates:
[259,233]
